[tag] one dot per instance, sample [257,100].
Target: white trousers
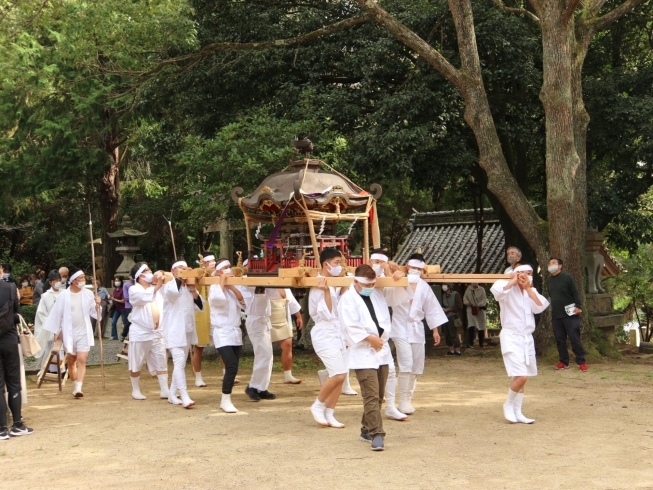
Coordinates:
[179,356]
[410,356]
[390,385]
[152,351]
[262,370]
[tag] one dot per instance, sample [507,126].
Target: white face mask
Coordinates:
[335,270]
[226,271]
[445,288]
[147,277]
[530,279]
[25,284]
[378,270]
[553,268]
[81,284]
[59,286]
[413,276]
[117,283]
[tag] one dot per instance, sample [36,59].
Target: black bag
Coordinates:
[7,314]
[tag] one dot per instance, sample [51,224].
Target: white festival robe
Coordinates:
[326,333]
[408,315]
[357,324]
[178,320]
[44,337]
[142,323]
[60,318]
[225,316]
[517,320]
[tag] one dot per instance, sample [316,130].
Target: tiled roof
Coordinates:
[448,239]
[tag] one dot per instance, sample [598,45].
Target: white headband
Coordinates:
[382,257]
[523,268]
[365,280]
[416,263]
[209,258]
[76,275]
[246,262]
[179,263]
[222,264]
[139,271]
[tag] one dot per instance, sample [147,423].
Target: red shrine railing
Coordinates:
[263,265]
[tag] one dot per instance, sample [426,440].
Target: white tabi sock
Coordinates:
[136,389]
[226,404]
[519,399]
[346,387]
[185,399]
[509,407]
[199,382]
[403,387]
[317,411]
[288,378]
[328,414]
[163,384]
[172,396]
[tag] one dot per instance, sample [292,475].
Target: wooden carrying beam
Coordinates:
[294,282]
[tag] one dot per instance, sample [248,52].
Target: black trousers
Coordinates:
[564,328]
[471,335]
[10,379]
[230,355]
[451,334]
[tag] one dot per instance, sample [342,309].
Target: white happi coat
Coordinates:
[142,324]
[356,324]
[60,318]
[407,317]
[44,337]
[326,333]
[517,320]
[178,319]
[225,316]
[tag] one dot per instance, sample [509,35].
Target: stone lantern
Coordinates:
[127,247]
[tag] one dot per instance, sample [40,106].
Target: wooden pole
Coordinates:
[366,240]
[316,250]
[376,231]
[98,308]
[172,236]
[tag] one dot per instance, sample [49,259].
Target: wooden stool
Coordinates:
[54,359]
[124,353]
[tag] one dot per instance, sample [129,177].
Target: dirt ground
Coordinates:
[592,430]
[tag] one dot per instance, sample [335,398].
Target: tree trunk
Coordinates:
[109,192]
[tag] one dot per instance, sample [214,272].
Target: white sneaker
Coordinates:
[394,414]
[226,405]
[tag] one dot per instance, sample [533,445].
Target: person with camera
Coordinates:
[475,300]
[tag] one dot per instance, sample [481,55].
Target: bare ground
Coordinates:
[593,430]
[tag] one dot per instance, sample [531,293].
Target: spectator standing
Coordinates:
[10,362]
[453,307]
[37,284]
[565,312]
[26,292]
[128,308]
[475,299]
[118,306]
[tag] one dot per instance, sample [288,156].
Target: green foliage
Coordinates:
[633,289]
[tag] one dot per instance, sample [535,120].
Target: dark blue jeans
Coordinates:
[114,323]
[564,328]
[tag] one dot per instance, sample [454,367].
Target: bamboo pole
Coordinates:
[376,232]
